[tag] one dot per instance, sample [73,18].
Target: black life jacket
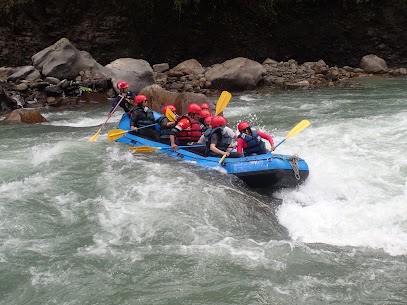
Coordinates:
[224,140]
[140,118]
[164,130]
[254,144]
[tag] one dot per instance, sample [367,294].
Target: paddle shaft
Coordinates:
[224,156]
[111,113]
[279,144]
[188,146]
[147,149]
[146,126]
[118,133]
[297,129]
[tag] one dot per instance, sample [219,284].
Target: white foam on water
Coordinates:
[24,188]
[248,98]
[45,153]
[356,192]
[80,120]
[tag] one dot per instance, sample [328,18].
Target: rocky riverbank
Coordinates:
[62,76]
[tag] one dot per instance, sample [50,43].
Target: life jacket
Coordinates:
[192,134]
[224,140]
[164,131]
[141,117]
[254,144]
[127,102]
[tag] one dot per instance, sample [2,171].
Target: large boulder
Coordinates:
[29,116]
[373,64]
[159,97]
[235,74]
[191,66]
[64,60]
[137,72]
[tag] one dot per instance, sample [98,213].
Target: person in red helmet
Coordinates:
[202,115]
[166,125]
[188,129]
[250,141]
[205,106]
[218,141]
[141,117]
[125,97]
[207,123]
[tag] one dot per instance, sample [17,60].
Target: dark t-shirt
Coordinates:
[214,138]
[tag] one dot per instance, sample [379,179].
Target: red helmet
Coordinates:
[184,124]
[208,120]
[122,84]
[140,98]
[218,121]
[204,114]
[171,107]
[242,126]
[205,106]
[194,108]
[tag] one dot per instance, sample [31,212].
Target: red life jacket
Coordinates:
[192,134]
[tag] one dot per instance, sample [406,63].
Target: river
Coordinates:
[90,223]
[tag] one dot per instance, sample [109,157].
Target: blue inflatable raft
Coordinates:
[269,170]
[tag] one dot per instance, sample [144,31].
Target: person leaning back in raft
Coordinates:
[250,140]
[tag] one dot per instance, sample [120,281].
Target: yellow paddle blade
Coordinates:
[115,134]
[95,136]
[170,115]
[298,128]
[222,102]
[143,149]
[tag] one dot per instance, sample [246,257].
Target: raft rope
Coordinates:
[293,162]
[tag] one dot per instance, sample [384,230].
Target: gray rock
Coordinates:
[64,60]
[137,72]
[21,73]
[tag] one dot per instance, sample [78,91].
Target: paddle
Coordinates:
[95,136]
[170,115]
[297,129]
[147,149]
[115,134]
[222,102]
[221,159]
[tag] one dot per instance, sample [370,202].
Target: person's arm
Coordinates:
[212,146]
[230,132]
[133,121]
[201,140]
[217,150]
[240,145]
[268,138]
[163,123]
[133,127]
[170,124]
[173,133]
